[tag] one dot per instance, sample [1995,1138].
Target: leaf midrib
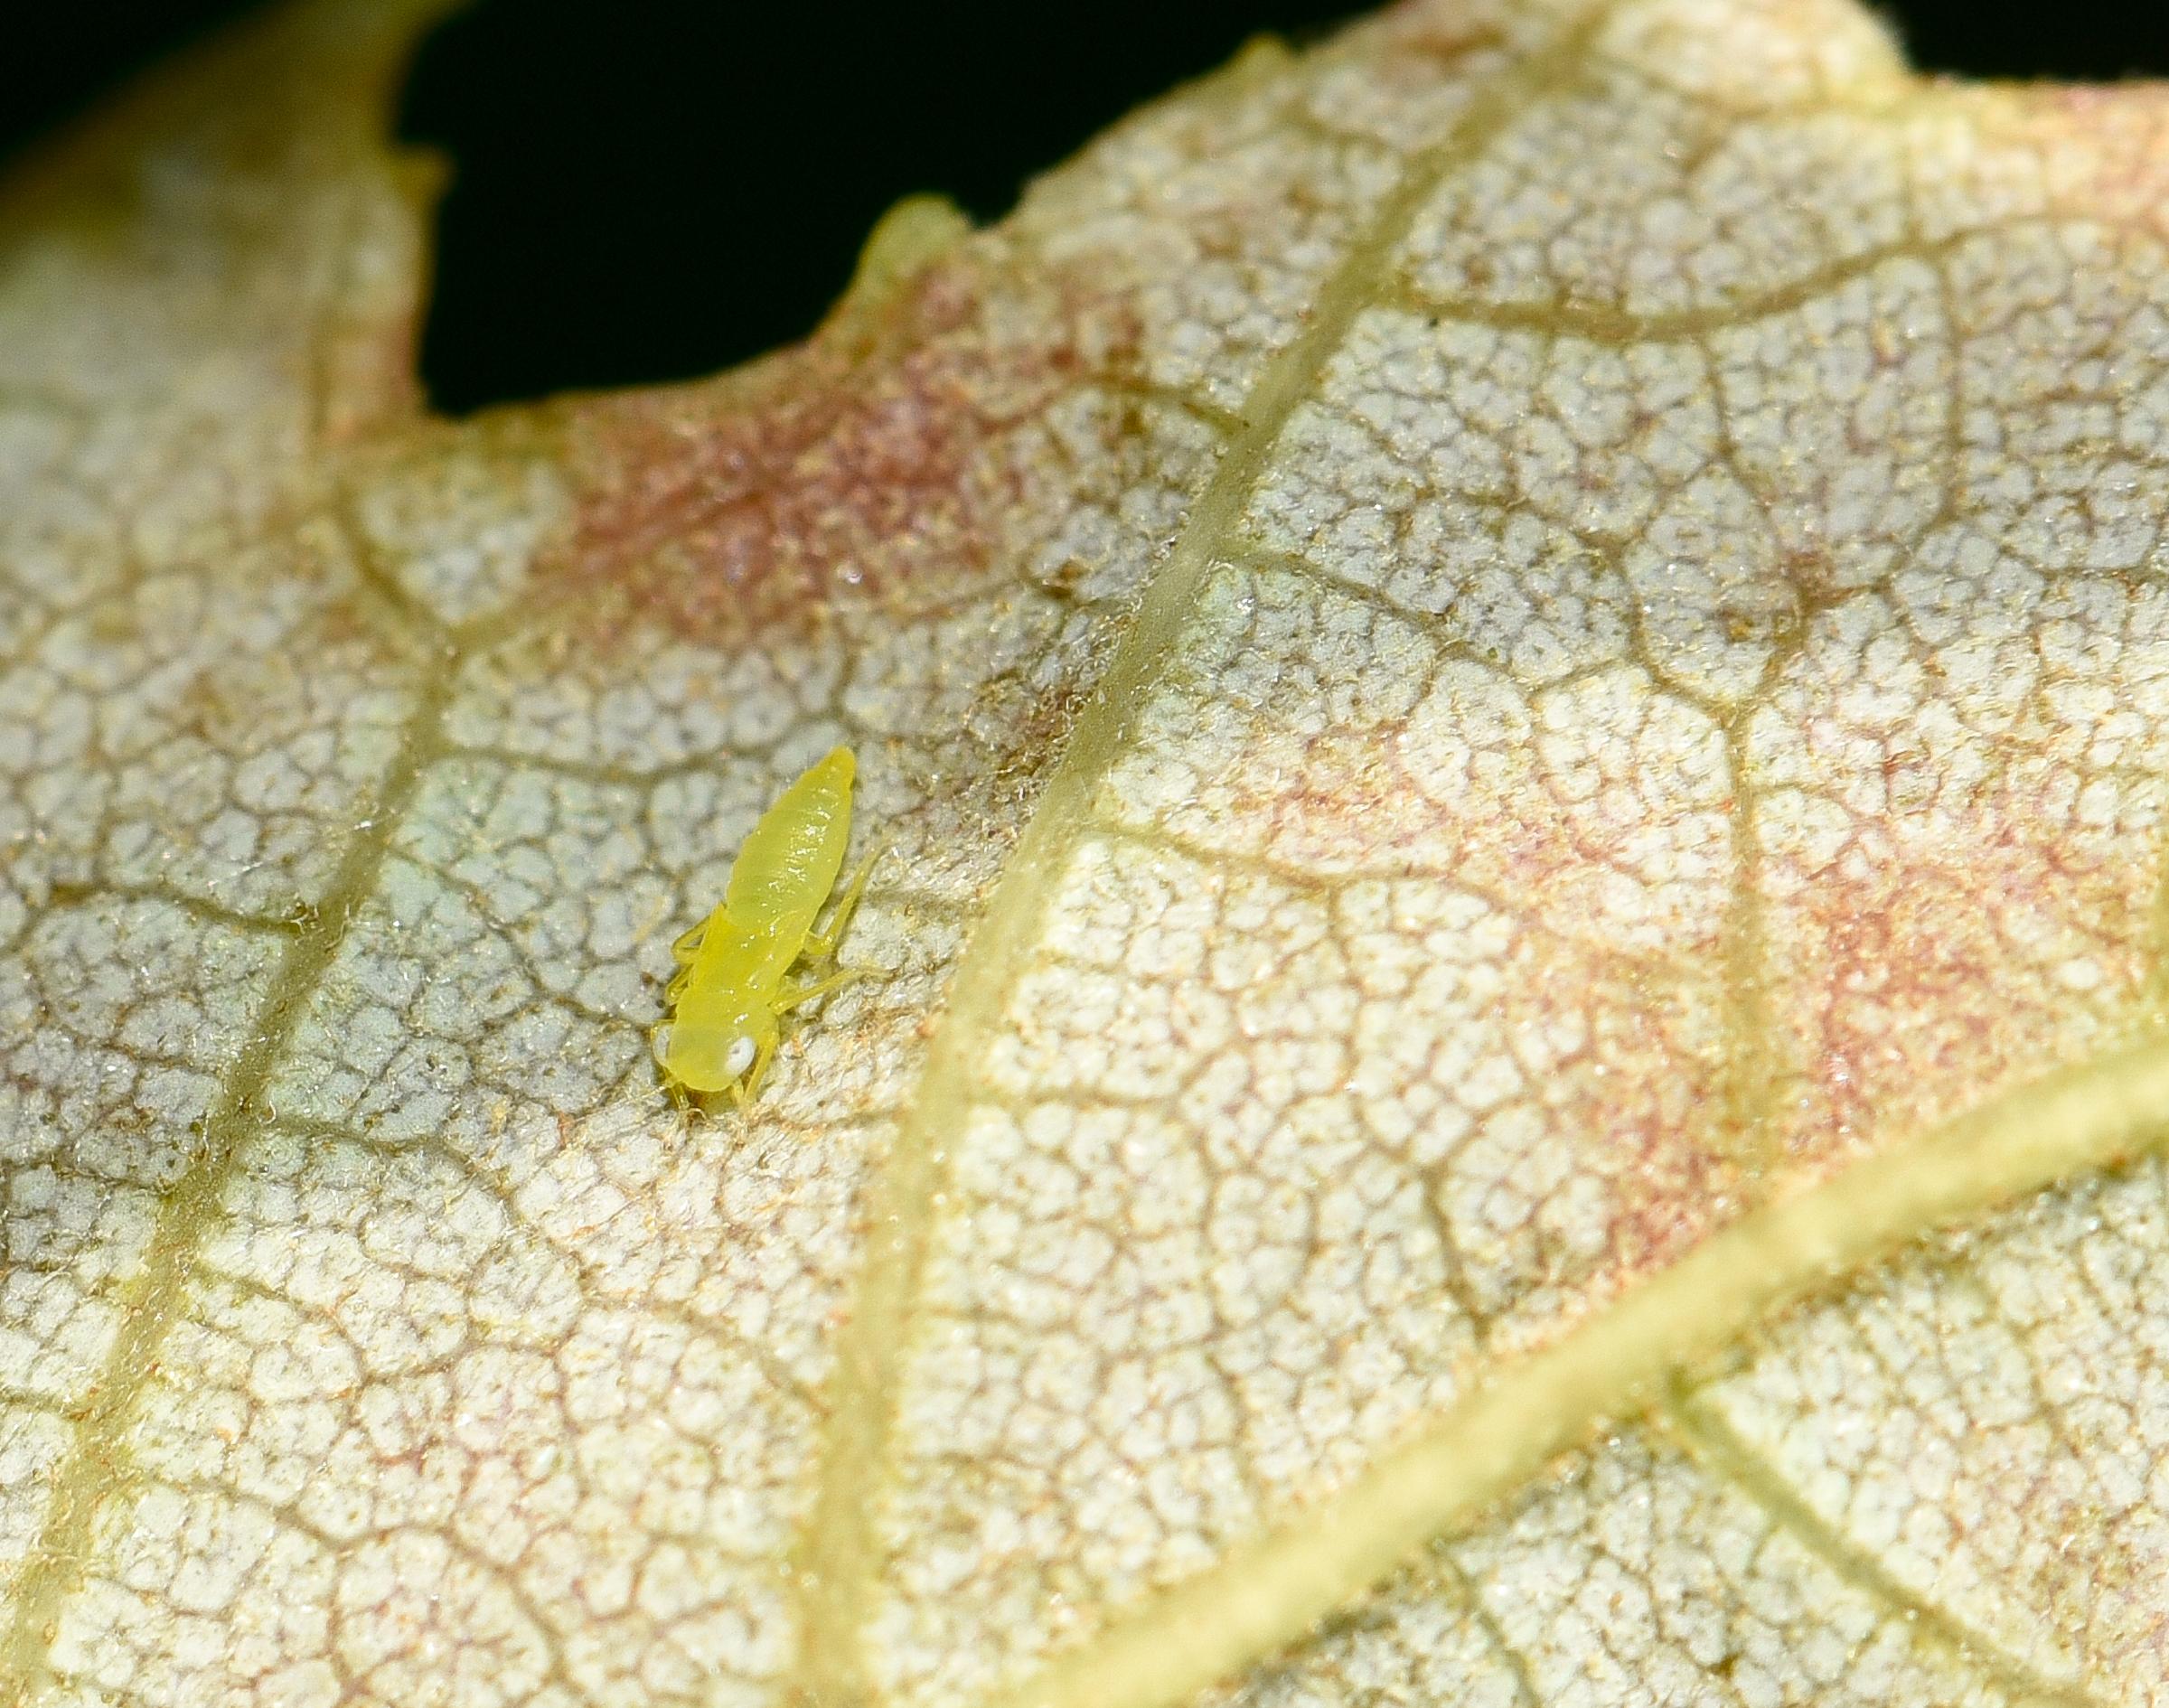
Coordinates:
[1260,1597]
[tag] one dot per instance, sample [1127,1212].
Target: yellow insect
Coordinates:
[728,998]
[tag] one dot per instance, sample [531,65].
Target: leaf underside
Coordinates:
[1516,672]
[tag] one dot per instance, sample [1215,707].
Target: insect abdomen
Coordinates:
[790,861]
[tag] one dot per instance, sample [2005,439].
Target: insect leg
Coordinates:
[820,988]
[818,948]
[751,1084]
[670,1080]
[683,951]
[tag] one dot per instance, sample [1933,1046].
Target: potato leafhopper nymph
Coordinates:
[728,998]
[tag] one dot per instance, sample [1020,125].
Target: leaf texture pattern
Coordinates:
[1517,672]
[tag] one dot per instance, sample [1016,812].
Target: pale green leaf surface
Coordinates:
[1516,675]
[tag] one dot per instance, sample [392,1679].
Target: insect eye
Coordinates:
[740,1056]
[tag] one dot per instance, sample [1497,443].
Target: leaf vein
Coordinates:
[838,1557]
[1713,1444]
[57,1561]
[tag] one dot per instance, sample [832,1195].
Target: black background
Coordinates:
[654,189]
